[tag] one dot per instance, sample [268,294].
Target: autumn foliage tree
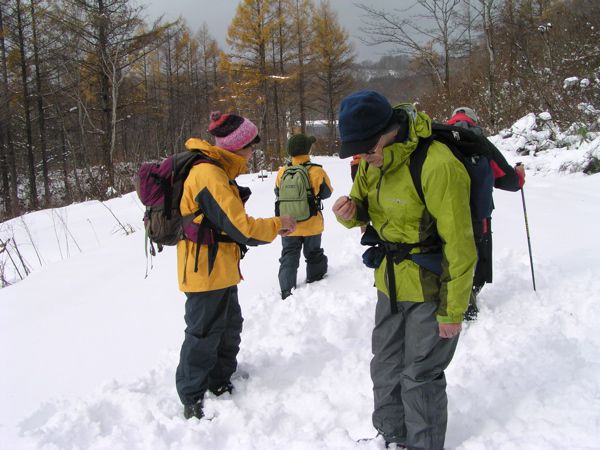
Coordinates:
[249,34]
[334,57]
[88,89]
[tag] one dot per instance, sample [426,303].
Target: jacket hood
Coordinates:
[419,123]
[419,126]
[232,163]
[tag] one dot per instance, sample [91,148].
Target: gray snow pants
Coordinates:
[407,369]
[316,261]
[211,343]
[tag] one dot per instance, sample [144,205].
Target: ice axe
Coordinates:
[528,237]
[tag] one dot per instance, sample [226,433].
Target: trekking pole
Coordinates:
[528,237]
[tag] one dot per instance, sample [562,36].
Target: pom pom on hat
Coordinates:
[232,132]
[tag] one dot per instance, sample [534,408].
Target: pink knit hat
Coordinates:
[232,132]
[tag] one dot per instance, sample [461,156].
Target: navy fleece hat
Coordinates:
[364,116]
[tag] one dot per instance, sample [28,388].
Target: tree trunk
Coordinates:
[265,112]
[40,109]
[205,108]
[488,28]
[114,101]
[5,138]
[446,67]
[170,98]
[280,152]
[64,164]
[301,74]
[105,102]
[33,195]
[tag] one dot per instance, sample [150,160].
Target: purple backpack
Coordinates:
[160,187]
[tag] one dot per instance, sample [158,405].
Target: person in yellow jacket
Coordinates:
[307,237]
[424,260]
[208,260]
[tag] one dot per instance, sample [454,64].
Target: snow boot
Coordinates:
[472,310]
[285,294]
[224,388]
[394,446]
[194,410]
[315,278]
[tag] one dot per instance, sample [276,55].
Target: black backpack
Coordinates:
[475,152]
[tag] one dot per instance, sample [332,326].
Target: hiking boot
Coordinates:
[315,278]
[224,388]
[471,313]
[194,410]
[472,310]
[285,294]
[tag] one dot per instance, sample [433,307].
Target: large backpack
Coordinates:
[295,196]
[160,187]
[474,152]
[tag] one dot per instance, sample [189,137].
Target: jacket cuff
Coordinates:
[450,318]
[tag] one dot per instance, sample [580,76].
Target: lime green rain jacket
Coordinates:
[388,198]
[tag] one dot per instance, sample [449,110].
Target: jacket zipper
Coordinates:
[381,174]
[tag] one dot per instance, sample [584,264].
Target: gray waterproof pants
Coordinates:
[211,343]
[316,261]
[407,369]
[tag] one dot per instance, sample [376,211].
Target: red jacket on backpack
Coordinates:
[499,173]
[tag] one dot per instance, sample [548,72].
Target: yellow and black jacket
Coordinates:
[212,189]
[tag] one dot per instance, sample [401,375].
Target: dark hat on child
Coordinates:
[232,132]
[363,117]
[299,144]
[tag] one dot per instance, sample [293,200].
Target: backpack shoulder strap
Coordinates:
[310,164]
[415,166]
[183,161]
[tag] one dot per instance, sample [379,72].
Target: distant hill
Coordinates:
[393,76]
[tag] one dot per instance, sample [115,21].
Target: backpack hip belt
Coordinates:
[204,234]
[395,253]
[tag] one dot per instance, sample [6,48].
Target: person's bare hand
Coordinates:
[449,330]
[520,168]
[288,225]
[344,208]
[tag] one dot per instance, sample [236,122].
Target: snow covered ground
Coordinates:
[88,346]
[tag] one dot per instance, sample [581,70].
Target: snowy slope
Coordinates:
[88,346]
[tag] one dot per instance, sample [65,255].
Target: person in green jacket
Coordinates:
[424,262]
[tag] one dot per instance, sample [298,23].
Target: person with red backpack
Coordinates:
[208,259]
[505,177]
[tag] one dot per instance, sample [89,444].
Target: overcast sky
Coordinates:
[219,13]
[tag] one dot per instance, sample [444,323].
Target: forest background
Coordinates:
[90,89]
